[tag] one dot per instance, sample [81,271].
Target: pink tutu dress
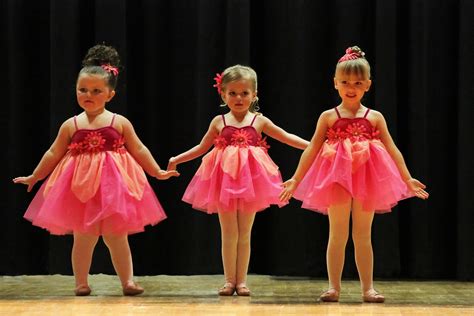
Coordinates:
[352,164]
[97,188]
[237,174]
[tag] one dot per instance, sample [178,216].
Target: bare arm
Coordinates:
[413,184]
[198,150]
[307,158]
[281,135]
[50,158]
[141,153]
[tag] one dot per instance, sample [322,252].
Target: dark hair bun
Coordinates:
[101,55]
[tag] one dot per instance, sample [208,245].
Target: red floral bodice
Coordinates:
[96,140]
[240,136]
[356,129]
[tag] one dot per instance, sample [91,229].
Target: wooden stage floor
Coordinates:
[196,295]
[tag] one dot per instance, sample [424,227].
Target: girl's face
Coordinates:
[351,87]
[93,93]
[239,95]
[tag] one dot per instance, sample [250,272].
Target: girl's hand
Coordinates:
[417,188]
[164,174]
[289,187]
[171,164]
[29,181]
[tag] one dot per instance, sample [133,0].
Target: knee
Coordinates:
[230,237]
[361,237]
[244,237]
[112,240]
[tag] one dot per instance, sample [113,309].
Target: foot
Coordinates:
[132,289]
[82,290]
[242,290]
[331,295]
[227,290]
[372,296]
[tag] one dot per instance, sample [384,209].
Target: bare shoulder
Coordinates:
[68,127]
[375,117]
[327,118]
[262,118]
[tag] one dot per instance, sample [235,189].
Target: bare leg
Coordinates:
[121,257]
[245,223]
[229,237]
[338,234]
[361,235]
[81,256]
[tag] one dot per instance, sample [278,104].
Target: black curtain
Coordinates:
[421,52]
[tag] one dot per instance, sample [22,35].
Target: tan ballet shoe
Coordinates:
[227,290]
[82,290]
[330,296]
[132,289]
[372,296]
[242,290]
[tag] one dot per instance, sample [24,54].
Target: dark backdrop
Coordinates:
[421,53]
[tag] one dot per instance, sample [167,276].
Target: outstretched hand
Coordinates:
[165,174]
[30,181]
[417,188]
[289,187]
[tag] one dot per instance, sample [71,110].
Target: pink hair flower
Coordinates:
[218,84]
[351,55]
[110,69]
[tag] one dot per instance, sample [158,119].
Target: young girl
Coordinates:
[351,164]
[237,178]
[97,185]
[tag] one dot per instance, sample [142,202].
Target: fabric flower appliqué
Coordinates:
[94,142]
[76,148]
[335,136]
[262,142]
[119,145]
[220,142]
[357,132]
[241,138]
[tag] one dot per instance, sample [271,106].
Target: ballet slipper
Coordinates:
[82,290]
[242,290]
[372,296]
[331,295]
[132,289]
[227,290]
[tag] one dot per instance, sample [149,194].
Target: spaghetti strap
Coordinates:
[337,111]
[366,112]
[253,119]
[75,122]
[223,120]
[113,119]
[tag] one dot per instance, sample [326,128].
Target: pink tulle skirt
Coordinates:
[346,170]
[235,178]
[100,194]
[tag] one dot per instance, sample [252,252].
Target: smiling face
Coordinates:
[351,87]
[239,95]
[93,93]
